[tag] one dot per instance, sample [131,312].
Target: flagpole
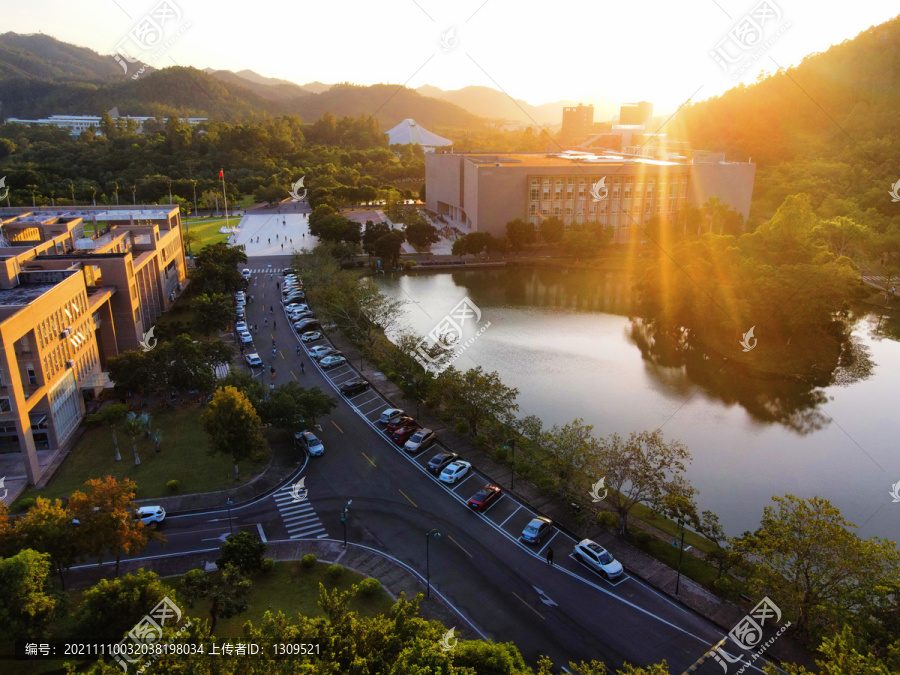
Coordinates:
[224,198]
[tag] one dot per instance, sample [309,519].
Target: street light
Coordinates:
[510,444]
[437,535]
[344,515]
[230,524]
[680,554]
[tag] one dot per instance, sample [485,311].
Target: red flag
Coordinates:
[221,173]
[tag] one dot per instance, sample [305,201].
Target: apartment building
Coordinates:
[72,297]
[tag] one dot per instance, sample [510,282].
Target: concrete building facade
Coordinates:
[68,303]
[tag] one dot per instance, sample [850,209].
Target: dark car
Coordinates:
[354,387]
[399,423]
[536,530]
[485,497]
[402,435]
[437,463]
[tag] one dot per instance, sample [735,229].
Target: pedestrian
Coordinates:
[274,352]
[257,240]
[266,321]
[277,286]
[276,236]
[272,385]
[274,324]
[271,309]
[302,368]
[242,349]
[292,241]
[549,556]
[298,350]
[269,240]
[273,342]
[282,247]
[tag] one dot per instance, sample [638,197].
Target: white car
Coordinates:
[332,362]
[245,273]
[240,295]
[309,442]
[295,305]
[598,558]
[454,471]
[301,314]
[305,324]
[151,515]
[311,336]
[419,440]
[246,338]
[322,351]
[253,360]
[390,414]
[241,327]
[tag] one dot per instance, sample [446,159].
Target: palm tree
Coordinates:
[156,436]
[135,425]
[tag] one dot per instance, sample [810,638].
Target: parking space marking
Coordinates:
[471,475]
[511,515]
[502,497]
[548,542]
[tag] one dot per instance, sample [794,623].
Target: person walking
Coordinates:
[266,321]
[298,350]
[269,240]
[273,342]
[302,368]
[274,352]
[277,286]
[274,324]
[549,556]
[282,247]
[271,309]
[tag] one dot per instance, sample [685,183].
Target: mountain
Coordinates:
[42,57]
[317,87]
[266,87]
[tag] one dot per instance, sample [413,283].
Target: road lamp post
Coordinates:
[680,554]
[230,524]
[428,535]
[511,446]
[344,515]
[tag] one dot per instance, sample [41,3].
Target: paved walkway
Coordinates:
[273,233]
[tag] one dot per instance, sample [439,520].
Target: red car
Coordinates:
[485,497]
[399,423]
[403,434]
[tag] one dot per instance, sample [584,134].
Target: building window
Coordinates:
[5,405]
[532,209]
[535,194]
[137,315]
[672,191]
[535,181]
[555,210]
[615,193]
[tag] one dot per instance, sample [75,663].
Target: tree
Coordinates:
[387,247]
[420,233]
[189,238]
[136,372]
[212,313]
[112,415]
[245,383]
[106,519]
[641,469]
[293,408]
[225,590]
[244,552]
[476,396]
[724,557]
[112,607]
[185,364]
[232,425]
[814,567]
[29,605]
[571,447]
[847,653]
[552,230]
[47,528]
[215,354]
[843,236]
[373,232]
[217,268]
[135,426]
[519,234]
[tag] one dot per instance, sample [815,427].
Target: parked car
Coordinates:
[419,441]
[245,273]
[389,415]
[297,315]
[290,307]
[253,360]
[151,515]
[240,297]
[403,434]
[399,423]
[353,387]
[454,471]
[241,326]
[293,296]
[536,530]
[598,559]
[437,463]
[286,270]
[303,324]
[246,338]
[321,351]
[485,497]
[332,362]
[310,443]
[311,336]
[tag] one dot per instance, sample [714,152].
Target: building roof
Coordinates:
[410,132]
[568,158]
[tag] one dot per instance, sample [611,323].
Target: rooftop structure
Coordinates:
[78,123]
[410,132]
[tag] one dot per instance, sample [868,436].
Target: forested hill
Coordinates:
[830,125]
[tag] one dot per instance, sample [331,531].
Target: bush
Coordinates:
[369,587]
[334,572]
[642,539]
[501,453]
[267,565]
[173,485]
[480,440]
[94,420]
[431,403]
[446,416]
[25,504]
[258,456]
[608,520]
[308,561]
[725,588]
[243,550]
[461,427]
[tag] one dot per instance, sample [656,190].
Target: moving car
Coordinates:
[245,273]
[322,350]
[403,434]
[485,497]
[246,338]
[151,515]
[598,558]
[353,387]
[253,360]
[454,471]
[419,441]
[332,362]
[399,423]
[310,442]
[389,415]
[536,530]
[437,463]
[311,336]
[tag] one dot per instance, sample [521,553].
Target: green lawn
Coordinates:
[184,456]
[208,229]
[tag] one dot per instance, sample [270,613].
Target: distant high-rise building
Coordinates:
[636,113]
[577,122]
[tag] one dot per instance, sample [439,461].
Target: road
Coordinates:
[504,588]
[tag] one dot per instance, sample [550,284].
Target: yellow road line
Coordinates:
[460,545]
[407,496]
[336,426]
[529,606]
[370,461]
[292,373]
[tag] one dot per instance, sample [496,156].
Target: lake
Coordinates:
[565,340]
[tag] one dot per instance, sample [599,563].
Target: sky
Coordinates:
[593,51]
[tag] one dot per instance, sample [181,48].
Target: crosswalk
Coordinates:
[298,516]
[265,270]
[879,281]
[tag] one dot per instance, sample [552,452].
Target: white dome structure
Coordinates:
[410,132]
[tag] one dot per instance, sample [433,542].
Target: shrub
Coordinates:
[480,440]
[308,561]
[501,453]
[608,520]
[173,485]
[267,565]
[94,420]
[25,504]
[642,539]
[243,550]
[431,403]
[446,416]
[725,588]
[258,456]
[368,587]
[461,427]
[334,572]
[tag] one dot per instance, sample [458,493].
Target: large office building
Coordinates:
[68,302]
[484,191]
[78,123]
